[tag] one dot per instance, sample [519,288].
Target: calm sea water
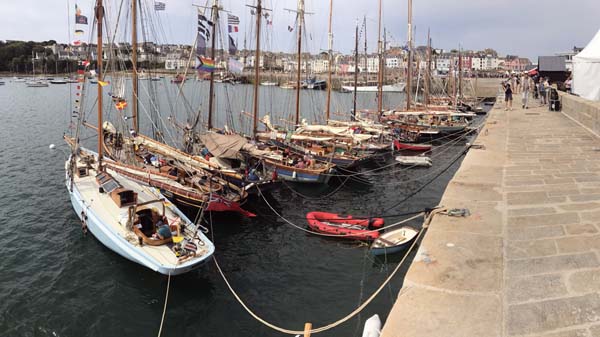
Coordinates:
[54,281]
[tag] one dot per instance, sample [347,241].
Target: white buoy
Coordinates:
[52,146]
[372,327]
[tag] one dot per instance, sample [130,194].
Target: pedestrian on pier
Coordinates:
[542,91]
[508,96]
[526,88]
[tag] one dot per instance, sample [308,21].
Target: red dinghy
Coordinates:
[411,147]
[346,227]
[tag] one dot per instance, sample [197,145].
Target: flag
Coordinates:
[204,25]
[206,64]
[232,47]
[290,28]
[121,105]
[233,23]
[103,84]
[78,32]
[235,66]
[203,33]
[200,45]
[80,19]
[77,43]
[159,6]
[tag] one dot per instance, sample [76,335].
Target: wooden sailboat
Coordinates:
[124,215]
[189,181]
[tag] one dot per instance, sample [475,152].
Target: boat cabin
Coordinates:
[120,195]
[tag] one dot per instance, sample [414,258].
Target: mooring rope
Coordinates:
[345,318]
[162,320]
[334,235]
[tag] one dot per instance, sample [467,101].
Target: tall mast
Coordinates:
[409,67]
[355,72]
[99,19]
[134,59]
[380,70]
[329,65]
[460,74]
[256,67]
[211,91]
[300,22]
[428,72]
[366,55]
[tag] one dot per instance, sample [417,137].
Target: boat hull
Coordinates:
[386,88]
[290,174]
[118,244]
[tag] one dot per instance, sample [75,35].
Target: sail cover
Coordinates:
[223,146]
[586,70]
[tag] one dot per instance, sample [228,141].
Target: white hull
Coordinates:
[104,222]
[399,87]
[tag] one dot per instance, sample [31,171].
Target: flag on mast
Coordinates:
[233,23]
[159,6]
[80,19]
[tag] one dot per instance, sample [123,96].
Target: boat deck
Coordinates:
[116,217]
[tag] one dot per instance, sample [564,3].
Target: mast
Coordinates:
[211,91]
[409,67]
[330,52]
[300,21]
[428,72]
[460,74]
[256,67]
[366,56]
[355,72]
[134,59]
[99,19]
[380,70]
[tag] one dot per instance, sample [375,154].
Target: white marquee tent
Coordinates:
[586,70]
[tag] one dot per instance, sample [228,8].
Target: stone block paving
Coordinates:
[527,261]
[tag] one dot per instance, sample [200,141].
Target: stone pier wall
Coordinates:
[584,112]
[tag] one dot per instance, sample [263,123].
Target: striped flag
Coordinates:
[233,23]
[204,26]
[159,6]
[206,64]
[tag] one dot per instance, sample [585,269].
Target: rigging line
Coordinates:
[379,171]
[425,185]
[337,189]
[165,306]
[334,235]
[343,319]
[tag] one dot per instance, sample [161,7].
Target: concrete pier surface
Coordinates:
[526,262]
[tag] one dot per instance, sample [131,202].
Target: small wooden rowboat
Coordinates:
[411,147]
[346,227]
[414,161]
[393,241]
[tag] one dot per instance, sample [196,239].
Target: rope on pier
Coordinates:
[345,318]
[335,235]
[162,320]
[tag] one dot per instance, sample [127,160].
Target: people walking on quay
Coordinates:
[568,84]
[526,88]
[508,95]
[517,84]
[542,91]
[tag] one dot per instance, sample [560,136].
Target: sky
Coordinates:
[528,28]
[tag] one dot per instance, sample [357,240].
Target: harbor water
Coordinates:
[55,281]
